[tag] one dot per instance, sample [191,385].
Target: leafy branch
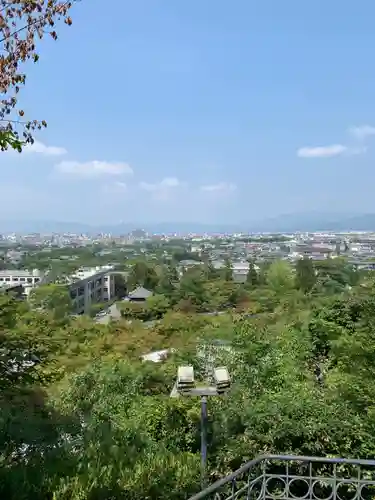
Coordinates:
[22,24]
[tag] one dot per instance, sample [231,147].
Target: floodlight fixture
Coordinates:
[222,379]
[185,378]
[185,386]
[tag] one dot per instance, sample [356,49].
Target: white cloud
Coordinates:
[92,169]
[167,183]
[220,187]
[359,135]
[362,132]
[164,190]
[40,148]
[322,151]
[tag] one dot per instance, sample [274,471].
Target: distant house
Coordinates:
[140,294]
[240,276]
[316,252]
[186,264]
[360,264]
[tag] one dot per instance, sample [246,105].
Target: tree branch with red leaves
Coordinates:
[23,24]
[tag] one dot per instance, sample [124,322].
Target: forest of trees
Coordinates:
[83,418]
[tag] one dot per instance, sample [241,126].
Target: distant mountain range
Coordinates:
[311,222]
[306,222]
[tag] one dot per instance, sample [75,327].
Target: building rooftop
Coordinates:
[140,293]
[190,262]
[21,273]
[84,273]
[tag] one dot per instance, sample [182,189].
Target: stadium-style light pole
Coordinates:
[186,386]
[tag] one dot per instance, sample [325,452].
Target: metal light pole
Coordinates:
[203,438]
[185,386]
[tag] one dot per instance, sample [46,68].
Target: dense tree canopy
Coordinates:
[54,298]
[82,417]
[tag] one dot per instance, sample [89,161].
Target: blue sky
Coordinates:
[200,110]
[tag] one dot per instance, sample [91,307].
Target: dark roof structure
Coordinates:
[312,249]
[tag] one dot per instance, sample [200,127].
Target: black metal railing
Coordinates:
[285,477]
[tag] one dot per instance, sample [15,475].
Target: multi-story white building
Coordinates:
[27,279]
[89,286]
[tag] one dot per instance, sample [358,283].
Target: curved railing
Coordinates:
[286,477]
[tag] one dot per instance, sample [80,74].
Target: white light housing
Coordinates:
[222,379]
[185,378]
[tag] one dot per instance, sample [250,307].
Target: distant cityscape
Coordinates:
[31,260]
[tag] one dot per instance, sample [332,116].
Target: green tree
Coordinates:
[142,274]
[252,278]
[167,282]
[305,275]
[280,277]
[120,285]
[352,354]
[228,270]
[262,273]
[54,298]
[192,287]
[132,310]
[218,294]
[131,437]
[30,429]
[238,296]
[336,273]
[157,306]
[211,272]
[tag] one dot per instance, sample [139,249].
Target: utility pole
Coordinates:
[203,439]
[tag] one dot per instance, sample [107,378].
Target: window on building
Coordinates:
[29,280]
[22,279]
[7,279]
